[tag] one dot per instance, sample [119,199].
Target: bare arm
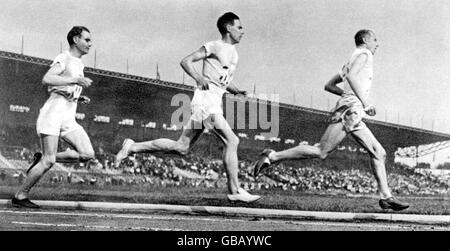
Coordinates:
[53,78]
[332,87]
[232,88]
[353,70]
[188,66]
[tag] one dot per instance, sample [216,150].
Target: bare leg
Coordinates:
[188,137]
[49,147]
[82,145]
[334,135]
[223,131]
[378,157]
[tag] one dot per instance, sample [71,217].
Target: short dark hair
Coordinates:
[224,20]
[75,32]
[360,35]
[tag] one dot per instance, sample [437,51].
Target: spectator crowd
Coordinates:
[207,172]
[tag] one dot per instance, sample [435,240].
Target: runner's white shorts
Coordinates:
[57,116]
[349,111]
[206,103]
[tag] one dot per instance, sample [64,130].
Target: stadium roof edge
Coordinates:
[31,59]
[36,60]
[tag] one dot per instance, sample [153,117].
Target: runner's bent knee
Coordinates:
[86,155]
[233,141]
[48,161]
[323,154]
[380,153]
[182,147]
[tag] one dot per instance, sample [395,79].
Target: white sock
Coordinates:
[383,197]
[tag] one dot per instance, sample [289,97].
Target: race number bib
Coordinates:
[226,76]
[75,92]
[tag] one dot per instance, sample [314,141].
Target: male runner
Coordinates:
[65,80]
[346,119]
[219,62]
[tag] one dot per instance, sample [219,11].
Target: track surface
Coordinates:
[69,220]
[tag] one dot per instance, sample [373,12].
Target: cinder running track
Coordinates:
[68,220]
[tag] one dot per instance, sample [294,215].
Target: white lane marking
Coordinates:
[93,227]
[336,224]
[373,225]
[126,216]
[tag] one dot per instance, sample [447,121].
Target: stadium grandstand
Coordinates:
[132,106]
[141,108]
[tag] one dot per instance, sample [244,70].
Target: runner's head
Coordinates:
[79,37]
[229,24]
[366,39]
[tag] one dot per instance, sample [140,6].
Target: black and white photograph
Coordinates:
[243,118]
